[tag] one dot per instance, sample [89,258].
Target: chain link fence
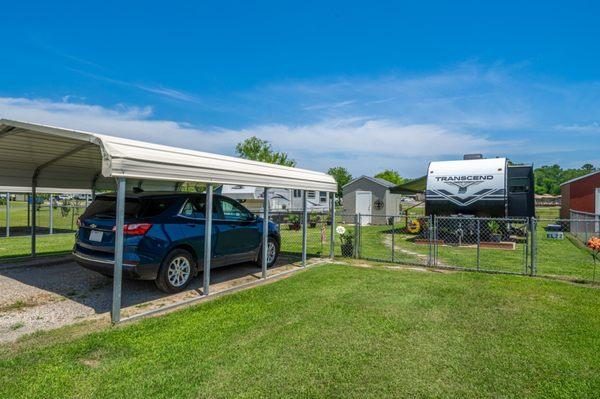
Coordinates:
[290,229]
[527,246]
[542,246]
[54,219]
[561,249]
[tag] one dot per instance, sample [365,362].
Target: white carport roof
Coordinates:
[71,159]
[45,190]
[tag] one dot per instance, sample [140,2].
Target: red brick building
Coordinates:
[581,194]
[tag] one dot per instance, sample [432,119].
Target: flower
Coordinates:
[594,243]
[340,230]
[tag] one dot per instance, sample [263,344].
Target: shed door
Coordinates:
[363,206]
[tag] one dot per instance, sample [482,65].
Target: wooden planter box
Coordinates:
[507,245]
[424,241]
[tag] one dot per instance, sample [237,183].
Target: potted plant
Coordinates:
[346,241]
[594,245]
[494,228]
[314,219]
[294,222]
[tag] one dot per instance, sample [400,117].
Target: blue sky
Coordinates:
[365,85]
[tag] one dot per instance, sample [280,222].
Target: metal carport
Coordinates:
[36,156]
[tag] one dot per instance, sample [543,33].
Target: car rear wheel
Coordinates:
[272,252]
[176,271]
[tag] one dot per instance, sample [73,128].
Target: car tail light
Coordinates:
[135,229]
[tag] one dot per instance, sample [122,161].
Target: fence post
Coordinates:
[332,232]
[478,244]
[533,246]
[430,232]
[393,237]
[435,241]
[356,234]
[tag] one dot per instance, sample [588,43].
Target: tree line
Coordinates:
[548,178]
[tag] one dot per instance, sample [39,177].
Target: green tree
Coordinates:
[260,150]
[588,168]
[341,176]
[548,178]
[391,176]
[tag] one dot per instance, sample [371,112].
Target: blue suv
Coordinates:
[164,237]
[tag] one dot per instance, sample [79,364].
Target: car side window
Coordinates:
[233,211]
[191,209]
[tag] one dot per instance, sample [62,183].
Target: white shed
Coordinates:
[371,198]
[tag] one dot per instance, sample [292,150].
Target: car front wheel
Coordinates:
[176,271]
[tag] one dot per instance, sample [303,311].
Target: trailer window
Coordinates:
[518,185]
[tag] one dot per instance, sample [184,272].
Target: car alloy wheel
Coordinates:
[271,252]
[179,271]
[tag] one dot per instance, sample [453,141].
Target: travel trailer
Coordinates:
[280,199]
[479,187]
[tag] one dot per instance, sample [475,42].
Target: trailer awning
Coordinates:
[415,186]
[71,159]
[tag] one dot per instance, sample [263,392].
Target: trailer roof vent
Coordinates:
[468,157]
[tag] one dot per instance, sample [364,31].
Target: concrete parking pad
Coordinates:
[42,297]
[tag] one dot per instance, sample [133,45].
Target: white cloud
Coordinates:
[365,145]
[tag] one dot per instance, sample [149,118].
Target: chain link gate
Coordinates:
[500,245]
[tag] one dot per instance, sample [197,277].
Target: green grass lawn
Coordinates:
[45,244]
[335,331]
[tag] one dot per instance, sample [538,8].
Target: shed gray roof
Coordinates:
[381,182]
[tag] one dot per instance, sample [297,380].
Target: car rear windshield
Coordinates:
[105,207]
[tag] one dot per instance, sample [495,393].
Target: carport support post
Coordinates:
[304,223]
[33,215]
[265,237]
[207,237]
[51,223]
[118,267]
[8,214]
[332,232]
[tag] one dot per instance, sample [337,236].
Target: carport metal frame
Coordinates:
[8,128]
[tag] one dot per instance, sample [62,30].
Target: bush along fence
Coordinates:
[526,246]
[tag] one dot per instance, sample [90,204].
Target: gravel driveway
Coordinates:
[44,297]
